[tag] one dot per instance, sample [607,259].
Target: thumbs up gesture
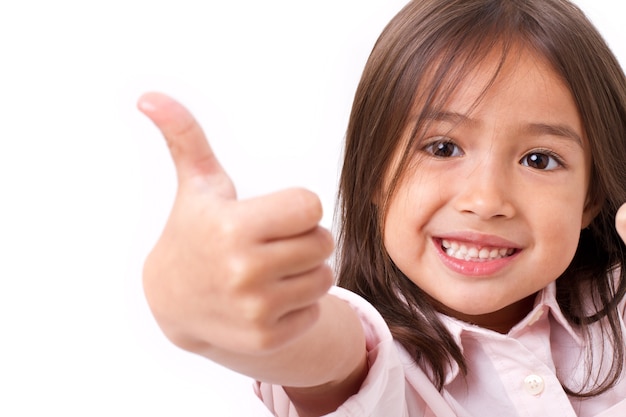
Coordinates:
[227,275]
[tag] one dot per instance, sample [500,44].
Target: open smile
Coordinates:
[474,253]
[474,258]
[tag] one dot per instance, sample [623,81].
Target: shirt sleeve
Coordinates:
[383,391]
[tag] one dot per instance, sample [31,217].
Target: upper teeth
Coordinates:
[474,253]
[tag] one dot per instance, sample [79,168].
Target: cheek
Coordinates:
[395,230]
[404,227]
[560,234]
[398,229]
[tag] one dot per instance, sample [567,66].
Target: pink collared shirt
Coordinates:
[517,374]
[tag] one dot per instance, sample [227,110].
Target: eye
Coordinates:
[542,160]
[443,148]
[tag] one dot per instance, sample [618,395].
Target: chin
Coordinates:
[477,307]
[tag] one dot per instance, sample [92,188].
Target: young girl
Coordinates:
[485,163]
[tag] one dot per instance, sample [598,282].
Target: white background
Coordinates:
[86,182]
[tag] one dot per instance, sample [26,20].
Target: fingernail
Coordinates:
[145,106]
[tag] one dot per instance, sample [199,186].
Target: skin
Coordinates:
[500,175]
[244,283]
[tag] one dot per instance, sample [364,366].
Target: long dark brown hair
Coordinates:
[421,56]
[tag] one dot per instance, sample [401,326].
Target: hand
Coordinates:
[620,222]
[227,275]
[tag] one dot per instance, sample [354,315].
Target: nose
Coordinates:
[487,192]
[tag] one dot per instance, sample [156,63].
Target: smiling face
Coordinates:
[490,208]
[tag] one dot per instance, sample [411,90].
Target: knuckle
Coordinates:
[325,278]
[264,340]
[266,343]
[262,328]
[308,204]
[254,310]
[269,337]
[326,241]
[230,227]
[175,139]
[241,273]
[310,315]
[293,325]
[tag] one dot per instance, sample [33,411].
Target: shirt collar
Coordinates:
[545,303]
[547,298]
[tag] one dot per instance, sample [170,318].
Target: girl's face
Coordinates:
[491,207]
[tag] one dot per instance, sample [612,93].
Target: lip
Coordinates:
[476,269]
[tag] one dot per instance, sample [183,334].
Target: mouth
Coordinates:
[470,252]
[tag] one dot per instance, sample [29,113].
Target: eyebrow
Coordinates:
[449,116]
[559,130]
[538,129]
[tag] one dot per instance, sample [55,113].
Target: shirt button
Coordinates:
[533,384]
